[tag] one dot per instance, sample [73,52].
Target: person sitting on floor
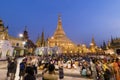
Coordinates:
[51,73]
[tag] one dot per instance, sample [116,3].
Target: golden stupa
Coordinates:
[60,39]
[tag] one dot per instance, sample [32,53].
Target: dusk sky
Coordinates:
[81,19]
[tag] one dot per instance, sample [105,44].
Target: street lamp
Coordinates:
[20,35]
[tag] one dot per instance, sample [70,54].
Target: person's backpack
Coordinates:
[22,66]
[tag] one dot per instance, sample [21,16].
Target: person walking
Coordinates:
[93,69]
[8,66]
[116,69]
[35,64]
[12,69]
[61,72]
[106,69]
[22,69]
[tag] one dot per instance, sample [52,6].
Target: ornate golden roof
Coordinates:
[93,42]
[59,31]
[59,34]
[60,39]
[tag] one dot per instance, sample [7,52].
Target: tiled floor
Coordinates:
[69,78]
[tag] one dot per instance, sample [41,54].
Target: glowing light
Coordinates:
[52,37]
[83,45]
[20,35]
[91,44]
[23,42]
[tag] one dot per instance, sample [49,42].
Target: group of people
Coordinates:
[101,69]
[27,68]
[107,68]
[96,67]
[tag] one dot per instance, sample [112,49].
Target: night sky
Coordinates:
[81,19]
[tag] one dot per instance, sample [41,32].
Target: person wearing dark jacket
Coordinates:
[22,69]
[8,66]
[12,69]
[29,73]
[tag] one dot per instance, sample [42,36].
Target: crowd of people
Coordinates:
[105,67]
[95,67]
[27,68]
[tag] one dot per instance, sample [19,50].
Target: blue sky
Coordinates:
[81,19]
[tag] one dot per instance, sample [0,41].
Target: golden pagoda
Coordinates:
[60,39]
[93,47]
[38,42]
[41,42]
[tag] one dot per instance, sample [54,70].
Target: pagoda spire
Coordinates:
[25,34]
[25,28]
[59,31]
[93,41]
[38,42]
[42,39]
[59,26]
[112,40]
[1,25]
[104,45]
